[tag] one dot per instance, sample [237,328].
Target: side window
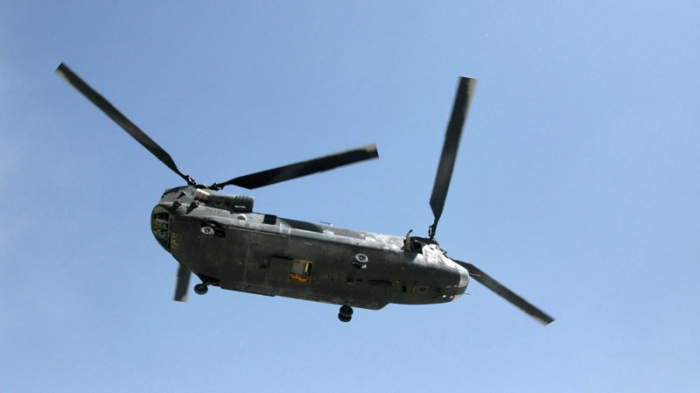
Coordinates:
[301,271]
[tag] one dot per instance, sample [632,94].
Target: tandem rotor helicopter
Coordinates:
[220,239]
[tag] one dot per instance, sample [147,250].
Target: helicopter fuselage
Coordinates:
[219,238]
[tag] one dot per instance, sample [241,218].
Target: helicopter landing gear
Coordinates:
[345,314]
[201,289]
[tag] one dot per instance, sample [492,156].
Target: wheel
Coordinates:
[207,230]
[346,311]
[200,289]
[344,318]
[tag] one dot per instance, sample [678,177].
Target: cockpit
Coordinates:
[160,226]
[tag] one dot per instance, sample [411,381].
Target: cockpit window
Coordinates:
[160,226]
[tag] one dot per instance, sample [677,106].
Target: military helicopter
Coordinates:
[220,239]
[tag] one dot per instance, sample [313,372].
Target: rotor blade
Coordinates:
[506,293]
[465,89]
[182,284]
[69,76]
[300,169]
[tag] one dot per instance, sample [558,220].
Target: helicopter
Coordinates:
[220,238]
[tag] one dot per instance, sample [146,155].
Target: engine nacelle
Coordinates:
[236,203]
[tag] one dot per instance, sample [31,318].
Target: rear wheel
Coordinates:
[200,289]
[346,311]
[345,314]
[343,318]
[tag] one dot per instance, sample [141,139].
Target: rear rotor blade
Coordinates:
[67,74]
[465,89]
[182,284]
[300,169]
[502,291]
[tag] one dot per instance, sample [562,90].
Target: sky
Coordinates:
[576,185]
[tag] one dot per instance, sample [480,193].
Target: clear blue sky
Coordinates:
[576,185]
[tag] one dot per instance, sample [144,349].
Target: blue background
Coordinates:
[576,185]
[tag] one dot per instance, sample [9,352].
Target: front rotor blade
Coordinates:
[67,74]
[304,168]
[182,284]
[502,291]
[465,89]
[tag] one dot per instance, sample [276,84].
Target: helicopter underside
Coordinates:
[267,255]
